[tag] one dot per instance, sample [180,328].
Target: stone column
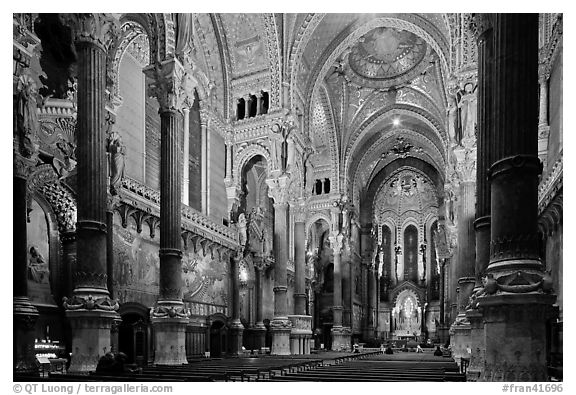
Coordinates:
[466,235]
[280,325]
[111,202]
[484,36]
[301,333]
[246,106]
[518,294]
[90,309]
[204,167]
[372,291]
[259,103]
[169,316]
[186,157]
[236,327]
[340,335]
[25,314]
[543,127]
[26,126]
[299,261]
[259,330]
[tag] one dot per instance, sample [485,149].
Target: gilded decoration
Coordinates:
[386,53]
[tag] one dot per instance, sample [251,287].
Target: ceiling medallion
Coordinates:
[385,53]
[401,149]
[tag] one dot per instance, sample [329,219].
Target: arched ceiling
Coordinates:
[384,78]
[361,80]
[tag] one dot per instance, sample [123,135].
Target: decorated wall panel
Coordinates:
[137,266]
[39,273]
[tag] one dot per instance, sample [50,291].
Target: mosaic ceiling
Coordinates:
[386,53]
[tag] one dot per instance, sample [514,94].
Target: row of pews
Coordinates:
[381,368]
[370,365]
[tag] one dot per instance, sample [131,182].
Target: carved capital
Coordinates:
[278,189]
[466,163]
[98,29]
[299,209]
[336,242]
[172,85]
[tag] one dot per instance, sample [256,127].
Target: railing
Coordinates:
[192,219]
[205,309]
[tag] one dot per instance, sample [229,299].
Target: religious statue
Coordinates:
[277,147]
[27,118]
[116,160]
[64,167]
[468,107]
[37,267]
[454,131]
[242,230]
[184,31]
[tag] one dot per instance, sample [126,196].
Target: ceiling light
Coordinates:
[396,122]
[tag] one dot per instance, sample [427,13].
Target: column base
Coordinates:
[515,336]
[477,345]
[460,338]
[341,338]
[236,332]
[169,320]
[25,317]
[90,337]
[301,334]
[280,328]
[258,336]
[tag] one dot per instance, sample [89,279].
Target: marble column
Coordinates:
[372,291]
[299,261]
[259,330]
[204,166]
[114,330]
[246,107]
[236,327]
[340,334]
[25,314]
[484,36]
[543,127]
[169,316]
[280,325]
[518,293]
[90,310]
[259,103]
[186,157]
[301,334]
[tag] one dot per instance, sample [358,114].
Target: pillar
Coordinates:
[543,127]
[280,325]
[259,103]
[340,334]
[186,158]
[301,334]
[25,314]
[111,202]
[204,166]
[259,330]
[299,262]
[90,310]
[246,106]
[518,294]
[236,327]
[169,317]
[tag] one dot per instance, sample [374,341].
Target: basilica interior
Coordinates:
[212,185]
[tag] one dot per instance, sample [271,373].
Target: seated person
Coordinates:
[419,349]
[389,350]
[438,352]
